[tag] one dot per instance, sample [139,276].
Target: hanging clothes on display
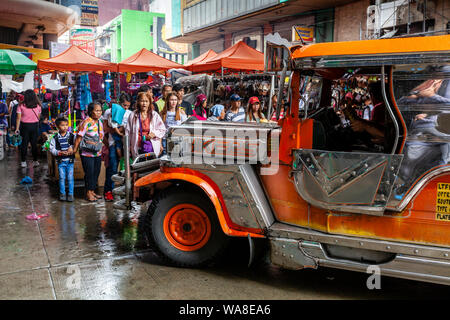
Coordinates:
[84,96]
[108,88]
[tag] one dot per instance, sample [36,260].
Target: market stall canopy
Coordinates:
[75,59]
[12,62]
[145,61]
[201,58]
[238,57]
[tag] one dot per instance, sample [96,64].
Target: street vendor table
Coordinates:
[78,171]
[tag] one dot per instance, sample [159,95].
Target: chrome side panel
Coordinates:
[299,254]
[255,189]
[346,182]
[288,254]
[400,206]
[280,230]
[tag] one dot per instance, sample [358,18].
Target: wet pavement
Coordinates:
[91,251]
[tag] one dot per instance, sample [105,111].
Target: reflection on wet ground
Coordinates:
[91,251]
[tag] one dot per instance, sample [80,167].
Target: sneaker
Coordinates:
[70,198]
[36,163]
[109,196]
[23,164]
[62,197]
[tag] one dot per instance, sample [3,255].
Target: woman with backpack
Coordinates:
[27,124]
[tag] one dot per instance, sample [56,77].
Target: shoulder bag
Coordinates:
[146,145]
[91,147]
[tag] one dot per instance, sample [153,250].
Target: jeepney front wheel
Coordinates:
[183,228]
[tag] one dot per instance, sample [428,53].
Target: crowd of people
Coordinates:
[99,136]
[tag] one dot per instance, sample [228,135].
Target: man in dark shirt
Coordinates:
[179,90]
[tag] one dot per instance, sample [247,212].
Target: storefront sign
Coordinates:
[307,33]
[84,39]
[56,48]
[89,12]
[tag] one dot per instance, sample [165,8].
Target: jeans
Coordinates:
[164,145]
[111,169]
[91,167]
[29,133]
[65,169]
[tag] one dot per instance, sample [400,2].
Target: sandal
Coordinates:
[90,197]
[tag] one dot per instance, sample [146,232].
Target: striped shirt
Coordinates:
[235,117]
[64,143]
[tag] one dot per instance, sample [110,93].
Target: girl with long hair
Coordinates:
[254,113]
[172,114]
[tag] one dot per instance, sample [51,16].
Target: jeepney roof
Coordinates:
[373,52]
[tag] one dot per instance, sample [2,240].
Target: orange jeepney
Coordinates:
[332,183]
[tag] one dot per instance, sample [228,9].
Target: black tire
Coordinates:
[154,229]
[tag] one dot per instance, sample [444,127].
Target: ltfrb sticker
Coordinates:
[443,202]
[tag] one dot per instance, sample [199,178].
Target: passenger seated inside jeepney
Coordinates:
[427,145]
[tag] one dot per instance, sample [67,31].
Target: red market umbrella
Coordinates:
[200,59]
[145,61]
[238,57]
[75,59]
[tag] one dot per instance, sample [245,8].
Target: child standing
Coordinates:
[61,146]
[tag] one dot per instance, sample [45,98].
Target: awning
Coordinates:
[75,59]
[238,57]
[200,59]
[145,61]
[374,47]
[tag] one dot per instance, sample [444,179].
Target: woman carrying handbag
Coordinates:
[145,127]
[89,141]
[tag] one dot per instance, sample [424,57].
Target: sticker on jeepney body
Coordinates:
[443,202]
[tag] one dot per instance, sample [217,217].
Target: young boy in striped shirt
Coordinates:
[61,146]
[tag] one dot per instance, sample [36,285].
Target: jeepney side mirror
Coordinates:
[274,57]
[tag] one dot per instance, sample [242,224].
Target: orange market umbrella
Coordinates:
[238,57]
[145,61]
[75,59]
[201,58]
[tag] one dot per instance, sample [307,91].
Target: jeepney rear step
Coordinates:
[119,191]
[297,248]
[281,230]
[118,179]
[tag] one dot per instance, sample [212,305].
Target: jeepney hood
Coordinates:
[213,142]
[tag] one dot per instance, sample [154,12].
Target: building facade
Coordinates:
[23,23]
[126,34]
[217,25]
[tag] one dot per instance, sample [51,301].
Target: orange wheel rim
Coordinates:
[187,227]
